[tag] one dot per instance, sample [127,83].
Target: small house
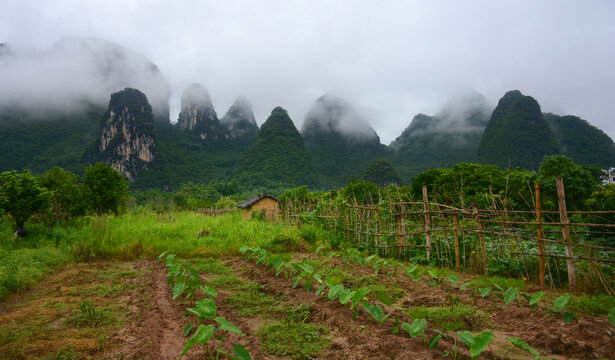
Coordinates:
[264,203]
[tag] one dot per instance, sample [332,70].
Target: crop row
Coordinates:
[303,272]
[186,283]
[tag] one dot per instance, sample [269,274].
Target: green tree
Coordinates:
[106,188]
[382,173]
[21,197]
[66,195]
[579,182]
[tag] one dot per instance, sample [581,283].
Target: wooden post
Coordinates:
[427,222]
[400,238]
[348,227]
[481,238]
[563,214]
[541,251]
[456,243]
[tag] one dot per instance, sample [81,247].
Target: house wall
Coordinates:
[269,206]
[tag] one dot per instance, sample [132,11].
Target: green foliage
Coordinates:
[21,196]
[382,173]
[277,157]
[106,188]
[517,134]
[579,183]
[67,195]
[581,141]
[294,340]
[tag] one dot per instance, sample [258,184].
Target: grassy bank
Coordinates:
[128,236]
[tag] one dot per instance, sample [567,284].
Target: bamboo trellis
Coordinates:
[534,244]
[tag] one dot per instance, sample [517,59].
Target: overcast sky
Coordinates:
[391,59]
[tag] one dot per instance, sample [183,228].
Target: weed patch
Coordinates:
[256,303]
[297,340]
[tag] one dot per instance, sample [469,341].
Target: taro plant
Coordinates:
[511,294]
[560,305]
[478,343]
[518,343]
[376,312]
[534,298]
[416,328]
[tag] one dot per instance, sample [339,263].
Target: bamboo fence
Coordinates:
[540,246]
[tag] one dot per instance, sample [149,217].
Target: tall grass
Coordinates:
[128,236]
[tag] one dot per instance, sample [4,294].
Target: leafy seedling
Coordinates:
[433,342]
[453,279]
[560,304]
[478,343]
[376,312]
[484,291]
[534,299]
[416,328]
[518,343]
[510,295]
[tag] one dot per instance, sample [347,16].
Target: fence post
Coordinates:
[481,238]
[541,251]
[427,222]
[561,199]
[456,243]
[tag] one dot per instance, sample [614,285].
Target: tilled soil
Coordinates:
[154,324]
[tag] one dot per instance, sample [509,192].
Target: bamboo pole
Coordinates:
[561,199]
[427,222]
[457,267]
[541,251]
[481,238]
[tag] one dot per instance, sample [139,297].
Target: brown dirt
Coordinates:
[154,323]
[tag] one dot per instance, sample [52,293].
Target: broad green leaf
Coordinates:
[561,302]
[208,290]
[497,286]
[453,279]
[320,288]
[466,337]
[333,280]
[465,286]
[611,317]
[204,309]
[480,343]
[433,273]
[162,254]
[568,317]
[484,291]
[511,294]
[384,298]
[522,345]
[193,273]
[536,298]
[433,342]
[178,289]
[411,269]
[187,329]
[346,295]
[358,296]
[241,352]
[335,291]
[296,281]
[307,268]
[226,325]
[203,333]
[416,328]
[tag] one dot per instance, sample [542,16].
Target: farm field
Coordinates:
[127,305]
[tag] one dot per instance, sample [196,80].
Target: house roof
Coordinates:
[251,201]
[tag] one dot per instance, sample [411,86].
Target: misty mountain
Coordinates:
[239,121]
[127,138]
[198,114]
[449,137]
[581,141]
[340,141]
[76,73]
[278,157]
[517,134]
